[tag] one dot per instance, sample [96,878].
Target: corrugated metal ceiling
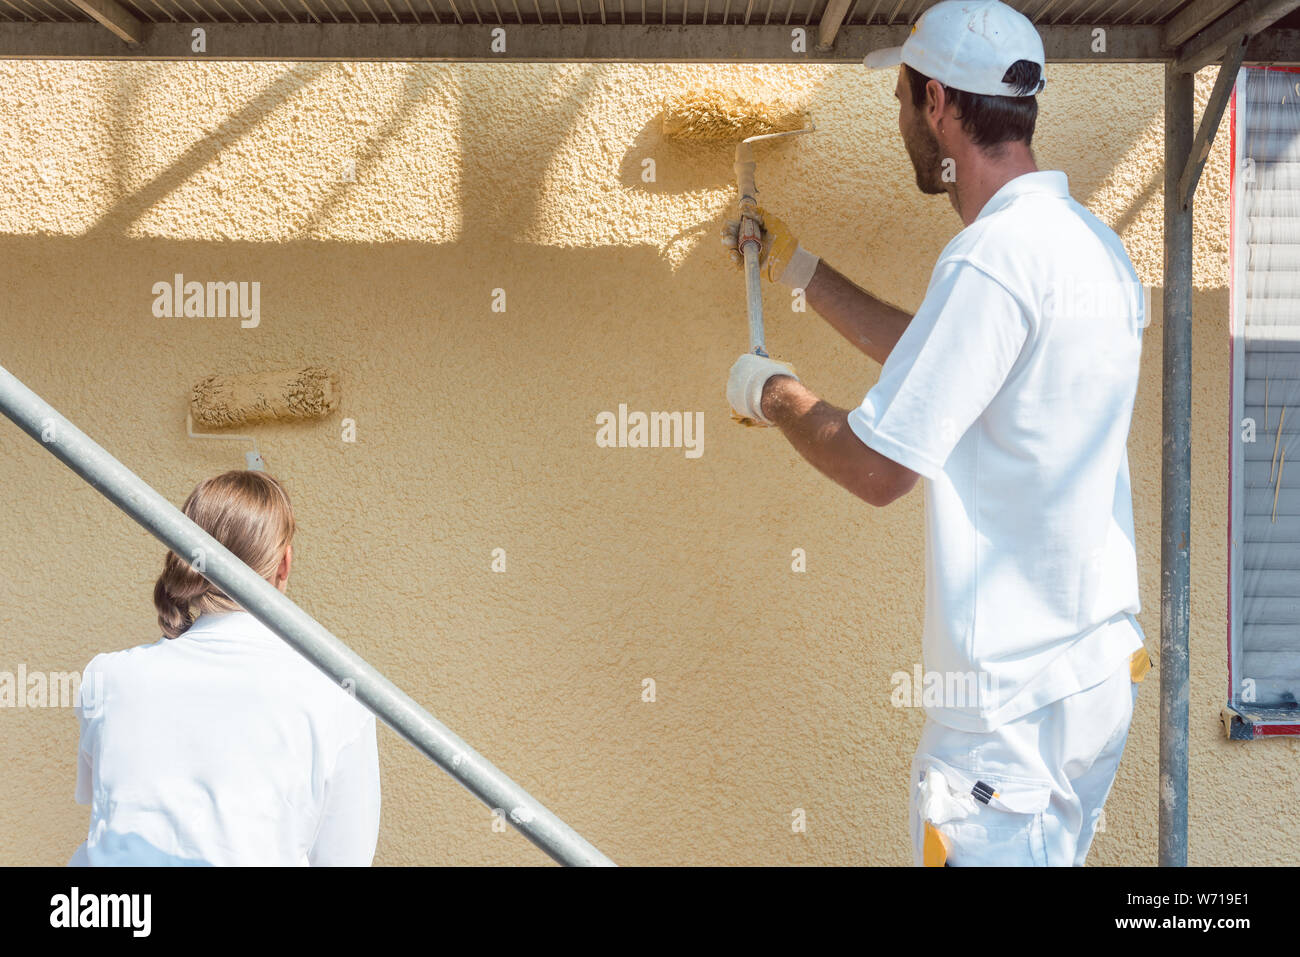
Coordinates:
[668,12]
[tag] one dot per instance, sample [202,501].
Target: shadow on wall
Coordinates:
[128,87]
[476,432]
[534,163]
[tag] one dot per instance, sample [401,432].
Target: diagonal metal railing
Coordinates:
[312,640]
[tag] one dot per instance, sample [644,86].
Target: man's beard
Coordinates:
[923,150]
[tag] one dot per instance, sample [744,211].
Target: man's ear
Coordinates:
[936,101]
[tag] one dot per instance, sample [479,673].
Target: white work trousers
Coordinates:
[1029,793]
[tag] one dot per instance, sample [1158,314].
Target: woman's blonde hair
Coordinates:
[249,513]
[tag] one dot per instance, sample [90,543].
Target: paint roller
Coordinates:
[704,116]
[226,401]
[722,116]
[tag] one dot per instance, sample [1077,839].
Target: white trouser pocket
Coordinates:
[990,820]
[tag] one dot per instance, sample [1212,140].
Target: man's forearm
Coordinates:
[870,324]
[820,433]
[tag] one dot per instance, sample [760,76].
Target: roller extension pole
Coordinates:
[754,300]
[257,596]
[750,237]
[751,244]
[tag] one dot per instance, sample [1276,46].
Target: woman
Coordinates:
[218,743]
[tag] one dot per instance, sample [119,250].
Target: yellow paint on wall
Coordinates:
[385,208]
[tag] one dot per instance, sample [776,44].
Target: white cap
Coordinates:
[968,45]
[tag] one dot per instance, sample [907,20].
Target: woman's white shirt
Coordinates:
[224,746]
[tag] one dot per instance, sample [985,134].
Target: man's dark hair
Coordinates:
[992,120]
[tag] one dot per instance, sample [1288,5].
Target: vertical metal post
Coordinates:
[1176,481]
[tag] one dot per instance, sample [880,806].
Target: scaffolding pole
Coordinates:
[1176,478]
[312,640]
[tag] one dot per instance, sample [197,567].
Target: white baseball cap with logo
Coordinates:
[968,45]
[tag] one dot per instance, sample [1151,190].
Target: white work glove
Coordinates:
[781,258]
[745,386]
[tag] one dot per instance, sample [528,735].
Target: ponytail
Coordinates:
[249,513]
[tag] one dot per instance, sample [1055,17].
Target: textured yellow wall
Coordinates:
[476,431]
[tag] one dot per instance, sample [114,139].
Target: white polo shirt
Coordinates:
[1011,393]
[224,746]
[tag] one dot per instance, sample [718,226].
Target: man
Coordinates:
[1010,393]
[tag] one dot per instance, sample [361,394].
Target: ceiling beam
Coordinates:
[115,17]
[639,44]
[716,43]
[1274,47]
[1194,18]
[1240,23]
[830,23]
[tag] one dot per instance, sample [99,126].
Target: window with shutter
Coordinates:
[1264,545]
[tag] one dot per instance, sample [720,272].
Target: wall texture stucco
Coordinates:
[380,206]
